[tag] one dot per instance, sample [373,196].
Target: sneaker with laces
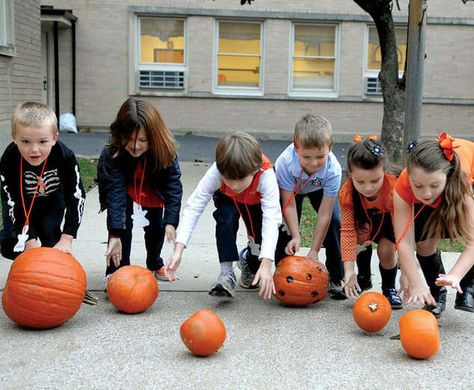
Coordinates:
[159,274]
[246,274]
[225,285]
[336,291]
[393,298]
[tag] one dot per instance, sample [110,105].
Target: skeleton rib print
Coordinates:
[48,183]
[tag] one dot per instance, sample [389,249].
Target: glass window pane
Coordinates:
[239,38]
[238,71]
[317,41]
[162,41]
[374,55]
[313,74]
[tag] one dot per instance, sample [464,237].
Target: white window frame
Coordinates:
[298,92]
[7,28]
[134,85]
[235,90]
[370,73]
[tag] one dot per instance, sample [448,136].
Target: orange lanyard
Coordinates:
[139,196]
[407,226]
[38,184]
[252,231]
[296,190]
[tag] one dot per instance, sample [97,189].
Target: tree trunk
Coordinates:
[393,88]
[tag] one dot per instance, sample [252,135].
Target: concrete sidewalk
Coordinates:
[268,345]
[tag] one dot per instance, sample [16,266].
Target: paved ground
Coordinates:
[268,345]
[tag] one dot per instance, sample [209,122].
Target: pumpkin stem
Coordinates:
[373,307]
[90,299]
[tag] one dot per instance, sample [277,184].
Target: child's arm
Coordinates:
[417,291]
[351,287]
[192,211]
[74,195]
[65,243]
[322,225]
[466,261]
[173,194]
[291,219]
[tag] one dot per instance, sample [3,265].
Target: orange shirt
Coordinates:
[250,196]
[465,151]
[382,204]
[148,196]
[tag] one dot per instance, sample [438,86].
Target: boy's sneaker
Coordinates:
[159,274]
[393,298]
[336,291]
[224,286]
[364,282]
[246,274]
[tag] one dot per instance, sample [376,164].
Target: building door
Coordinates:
[45,69]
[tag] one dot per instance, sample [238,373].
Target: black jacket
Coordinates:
[62,189]
[114,175]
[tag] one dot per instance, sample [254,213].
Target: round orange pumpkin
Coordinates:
[132,289]
[203,333]
[372,311]
[419,334]
[45,288]
[300,281]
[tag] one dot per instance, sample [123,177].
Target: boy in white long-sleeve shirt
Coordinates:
[243,184]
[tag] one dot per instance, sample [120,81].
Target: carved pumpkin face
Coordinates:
[203,333]
[372,311]
[132,289]
[419,334]
[300,281]
[44,289]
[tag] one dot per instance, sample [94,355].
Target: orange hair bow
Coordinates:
[358,138]
[446,143]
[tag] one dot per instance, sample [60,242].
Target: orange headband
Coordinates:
[446,143]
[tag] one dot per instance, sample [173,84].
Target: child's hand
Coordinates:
[403,285]
[33,243]
[170,233]
[114,251]
[174,261]
[265,277]
[351,287]
[293,246]
[449,280]
[418,294]
[65,243]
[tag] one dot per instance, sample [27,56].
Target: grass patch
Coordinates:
[308,224]
[88,169]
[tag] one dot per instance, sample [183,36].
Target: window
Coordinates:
[162,53]
[7,28]
[313,59]
[374,58]
[239,57]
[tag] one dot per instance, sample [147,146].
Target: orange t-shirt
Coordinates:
[382,204]
[465,151]
[250,196]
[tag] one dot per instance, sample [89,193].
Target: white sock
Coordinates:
[227,266]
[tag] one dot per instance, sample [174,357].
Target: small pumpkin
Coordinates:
[300,281]
[203,333]
[132,289]
[419,334]
[45,288]
[372,311]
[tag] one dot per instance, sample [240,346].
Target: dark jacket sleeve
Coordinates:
[74,194]
[171,190]
[12,212]
[112,191]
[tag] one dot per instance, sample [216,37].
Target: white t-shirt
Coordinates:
[210,183]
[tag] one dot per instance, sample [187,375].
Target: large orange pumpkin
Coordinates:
[372,311]
[132,289]
[203,333]
[419,334]
[45,288]
[300,281]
